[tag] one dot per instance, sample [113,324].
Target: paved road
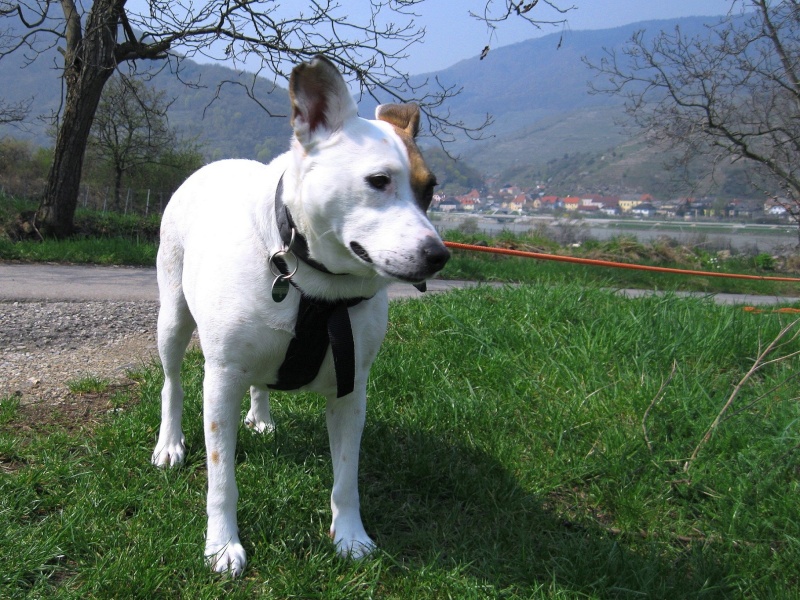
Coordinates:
[55,282]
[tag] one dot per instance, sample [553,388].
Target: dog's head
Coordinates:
[362,186]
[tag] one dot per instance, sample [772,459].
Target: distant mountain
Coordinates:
[230,125]
[538,94]
[546,124]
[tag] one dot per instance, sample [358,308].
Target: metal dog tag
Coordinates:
[280,288]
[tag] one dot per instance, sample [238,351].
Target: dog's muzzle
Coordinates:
[436,255]
[431,257]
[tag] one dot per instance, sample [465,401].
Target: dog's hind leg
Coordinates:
[175,327]
[345,418]
[258,417]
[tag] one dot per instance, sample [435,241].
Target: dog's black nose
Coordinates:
[436,255]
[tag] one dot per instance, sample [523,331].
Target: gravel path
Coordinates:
[46,345]
[101,322]
[62,323]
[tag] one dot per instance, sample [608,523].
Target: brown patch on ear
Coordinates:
[402,116]
[405,119]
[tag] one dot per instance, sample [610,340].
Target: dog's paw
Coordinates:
[354,545]
[253,423]
[169,454]
[227,558]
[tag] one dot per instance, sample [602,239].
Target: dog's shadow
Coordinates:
[429,500]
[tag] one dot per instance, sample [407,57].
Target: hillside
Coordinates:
[546,124]
[233,125]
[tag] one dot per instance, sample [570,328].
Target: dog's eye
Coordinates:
[379,182]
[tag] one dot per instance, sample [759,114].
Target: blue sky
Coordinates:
[452,35]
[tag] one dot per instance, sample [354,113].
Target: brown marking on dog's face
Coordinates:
[405,120]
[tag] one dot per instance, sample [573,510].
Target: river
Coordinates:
[748,238]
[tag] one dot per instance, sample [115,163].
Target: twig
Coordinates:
[36,229]
[757,364]
[656,399]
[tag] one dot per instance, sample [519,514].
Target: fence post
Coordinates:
[147,203]
[127,200]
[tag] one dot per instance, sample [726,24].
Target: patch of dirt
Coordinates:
[46,345]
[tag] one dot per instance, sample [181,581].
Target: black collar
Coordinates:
[320,323]
[299,247]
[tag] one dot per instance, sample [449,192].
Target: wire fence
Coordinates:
[135,201]
[132,200]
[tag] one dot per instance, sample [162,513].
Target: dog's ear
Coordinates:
[402,116]
[320,99]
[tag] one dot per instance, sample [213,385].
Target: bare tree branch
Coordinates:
[730,93]
[265,36]
[14,112]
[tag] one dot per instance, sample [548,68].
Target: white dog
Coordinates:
[283,270]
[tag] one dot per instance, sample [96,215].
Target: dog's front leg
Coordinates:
[222,399]
[345,417]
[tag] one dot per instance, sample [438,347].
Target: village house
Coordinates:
[517,203]
[629,201]
[643,209]
[509,190]
[608,205]
[548,203]
[776,207]
[572,203]
[449,205]
[746,208]
[470,201]
[670,208]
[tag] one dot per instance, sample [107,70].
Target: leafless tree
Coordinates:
[96,37]
[130,129]
[15,112]
[731,93]
[495,13]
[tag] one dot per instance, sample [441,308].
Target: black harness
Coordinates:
[319,322]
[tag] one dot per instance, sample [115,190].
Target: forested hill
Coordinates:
[536,91]
[221,118]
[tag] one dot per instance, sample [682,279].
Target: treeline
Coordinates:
[24,168]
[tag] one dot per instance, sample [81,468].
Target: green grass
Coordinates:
[103,238]
[478,266]
[88,385]
[101,251]
[115,239]
[504,457]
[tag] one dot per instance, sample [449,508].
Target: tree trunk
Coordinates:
[118,189]
[88,64]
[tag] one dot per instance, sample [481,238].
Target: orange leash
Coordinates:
[607,263]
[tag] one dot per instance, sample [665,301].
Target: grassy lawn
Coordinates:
[478,266]
[114,239]
[526,442]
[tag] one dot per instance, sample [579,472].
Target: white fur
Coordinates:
[218,233]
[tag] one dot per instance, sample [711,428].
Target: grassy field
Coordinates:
[526,442]
[113,239]
[101,238]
